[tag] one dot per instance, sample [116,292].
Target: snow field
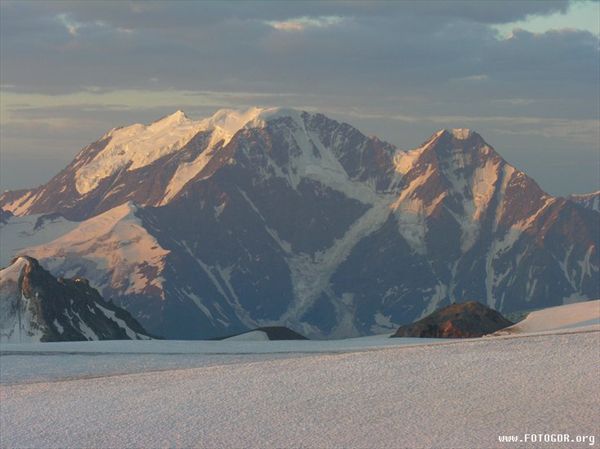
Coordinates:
[455,395]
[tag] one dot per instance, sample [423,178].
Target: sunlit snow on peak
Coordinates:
[171,119]
[139,145]
[461,133]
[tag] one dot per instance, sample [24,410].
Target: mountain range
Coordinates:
[270,217]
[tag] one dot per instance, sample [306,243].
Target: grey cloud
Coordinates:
[379,52]
[414,59]
[181,14]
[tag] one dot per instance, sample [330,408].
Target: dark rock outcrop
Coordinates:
[587,200]
[464,320]
[4,216]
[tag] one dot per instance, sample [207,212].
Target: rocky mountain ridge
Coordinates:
[35,306]
[588,200]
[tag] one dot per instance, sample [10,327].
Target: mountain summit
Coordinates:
[270,217]
[151,164]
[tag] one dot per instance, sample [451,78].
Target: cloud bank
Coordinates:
[71,70]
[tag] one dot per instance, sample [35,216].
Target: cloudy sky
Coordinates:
[523,74]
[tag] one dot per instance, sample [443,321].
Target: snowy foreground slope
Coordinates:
[579,315]
[367,392]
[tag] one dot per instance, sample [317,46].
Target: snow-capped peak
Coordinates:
[14,270]
[225,123]
[405,160]
[457,133]
[172,119]
[139,145]
[230,121]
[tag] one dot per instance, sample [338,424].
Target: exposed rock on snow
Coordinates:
[4,216]
[464,320]
[461,133]
[589,200]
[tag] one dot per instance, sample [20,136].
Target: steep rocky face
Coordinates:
[587,200]
[471,226]
[35,306]
[280,217]
[466,320]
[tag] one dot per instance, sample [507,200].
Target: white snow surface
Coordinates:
[20,232]
[114,243]
[153,354]
[569,316]
[455,394]
[250,336]
[138,145]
